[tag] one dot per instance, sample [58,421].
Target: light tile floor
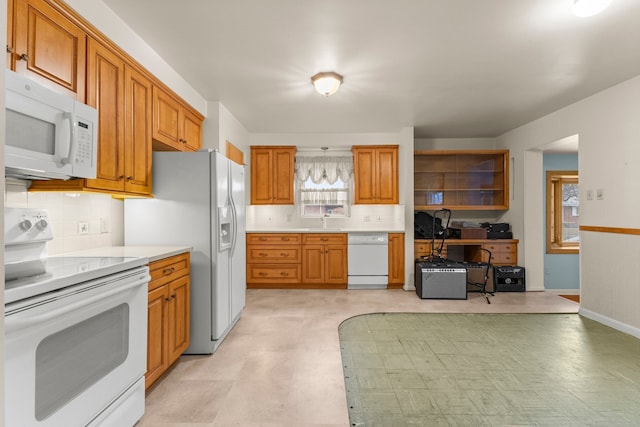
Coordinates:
[281,364]
[430,369]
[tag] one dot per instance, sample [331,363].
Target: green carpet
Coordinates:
[417,369]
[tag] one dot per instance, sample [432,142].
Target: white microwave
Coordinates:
[48,135]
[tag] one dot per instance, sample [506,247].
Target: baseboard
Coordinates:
[563,291]
[622,327]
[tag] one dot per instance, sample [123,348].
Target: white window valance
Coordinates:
[324,166]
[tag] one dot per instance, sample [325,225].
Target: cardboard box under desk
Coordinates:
[473,233]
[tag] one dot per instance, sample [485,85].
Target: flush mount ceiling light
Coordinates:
[326,83]
[584,8]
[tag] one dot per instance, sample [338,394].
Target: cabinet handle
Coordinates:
[23,57]
[285,239]
[284,274]
[168,299]
[168,271]
[262,254]
[9,49]
[284,254]
[324,239]
[262,239]
[129,178]
[262,273]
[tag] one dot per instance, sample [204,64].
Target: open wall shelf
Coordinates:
[461,180]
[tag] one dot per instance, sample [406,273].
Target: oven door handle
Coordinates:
[16,324]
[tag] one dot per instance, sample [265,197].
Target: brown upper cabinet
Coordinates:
[176,127]
[272,172]
[46,46]
[122,96]
[462,180]
[49,42]
[376,174]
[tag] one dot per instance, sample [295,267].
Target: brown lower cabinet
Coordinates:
[396,260]
[294,260]
[324,260]
[503,252]
[168,314]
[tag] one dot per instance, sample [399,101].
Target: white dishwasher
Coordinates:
[368,255]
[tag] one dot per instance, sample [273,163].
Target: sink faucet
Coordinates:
[323,219]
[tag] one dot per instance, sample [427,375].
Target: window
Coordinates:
[323,183]
[563,207]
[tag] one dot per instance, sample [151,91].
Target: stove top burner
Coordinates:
[61,272]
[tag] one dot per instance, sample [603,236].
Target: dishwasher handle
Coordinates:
[368,239]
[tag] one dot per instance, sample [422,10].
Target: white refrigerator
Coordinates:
[199,202]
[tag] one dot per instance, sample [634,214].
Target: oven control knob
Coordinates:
[26,225]
[42,224]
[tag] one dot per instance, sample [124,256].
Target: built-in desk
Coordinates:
[503,252]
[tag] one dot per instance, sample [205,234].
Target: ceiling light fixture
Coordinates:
[584,8]
[326,83]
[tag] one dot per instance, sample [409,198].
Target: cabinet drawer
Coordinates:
[168,269]
[264,273]
[506,258]
[282,254]
[274,238]
[324,239]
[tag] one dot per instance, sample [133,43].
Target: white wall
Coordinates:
[112,26]
[455,143]
[3,35]
[609,158]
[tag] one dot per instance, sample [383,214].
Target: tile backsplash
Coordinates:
[79,220]
[273,217]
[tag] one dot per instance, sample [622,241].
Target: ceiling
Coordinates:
[450,68]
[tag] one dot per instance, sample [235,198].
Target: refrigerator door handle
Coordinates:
[234,225]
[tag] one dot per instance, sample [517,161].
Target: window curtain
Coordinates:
[324,168]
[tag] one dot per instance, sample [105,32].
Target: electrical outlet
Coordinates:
[83,227]
[600,194]
[379,218]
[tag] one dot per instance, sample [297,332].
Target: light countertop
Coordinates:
[323,230]
[153,253]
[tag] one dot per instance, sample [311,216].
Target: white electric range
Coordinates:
[75,331]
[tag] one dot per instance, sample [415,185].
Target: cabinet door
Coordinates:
[336,264]
[49,47]
[178,318]
[313,264]
[105,84]
[191,132]
[166,120]
[157,318]
[387,175]
[261,182]
[364,160]
[396,259]
[283,174]
[10,41]
[138,98]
